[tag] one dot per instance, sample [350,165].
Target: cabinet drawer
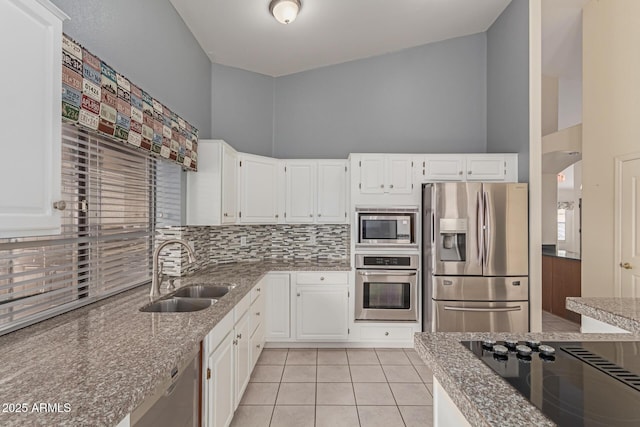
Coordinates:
[242,307]
[320,278]
[257,344]
[256,313]
[217,334]
[387,333]
[257,291]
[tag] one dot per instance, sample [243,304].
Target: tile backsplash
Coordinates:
[223,244]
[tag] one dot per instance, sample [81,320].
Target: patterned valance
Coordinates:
[95,96]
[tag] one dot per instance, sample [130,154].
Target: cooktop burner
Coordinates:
[572,383]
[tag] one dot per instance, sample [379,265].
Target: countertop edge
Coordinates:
[607,310]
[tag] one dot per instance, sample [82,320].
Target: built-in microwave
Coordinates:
[385,226]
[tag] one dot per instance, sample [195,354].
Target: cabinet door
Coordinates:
[220,400]
[372,176]
[399,175]
[485,168]
[300,193]
[332,192]
[322,312]
[229,185]
[31,118]
[242,357]
[258,190]
[277,306]
[444,168]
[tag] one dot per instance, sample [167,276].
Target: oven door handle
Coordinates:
[480,309]
[386,273]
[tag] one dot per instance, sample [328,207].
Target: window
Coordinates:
[114,194]
[562,225]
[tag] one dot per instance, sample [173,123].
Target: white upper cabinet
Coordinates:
[332,191]
[300,191]
[212,190]
[443,167]
[467,167]
[316,191]
[31,118]
[258,189]
[488,167]
[385,173]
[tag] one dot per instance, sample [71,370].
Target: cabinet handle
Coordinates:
[235,342]
[257,289]
[319,214]
[225,214]
[60,205]
[386,334]
[257,313]
[298,294]
[460,173]
[391,186]
[258,346]
[239,336]
[310,215]
[277,215]
[469,173]
[381,185]
[321,277]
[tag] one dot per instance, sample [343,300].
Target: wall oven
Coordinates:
[384,226]
[386,287]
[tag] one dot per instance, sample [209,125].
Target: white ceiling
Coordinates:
[242,33]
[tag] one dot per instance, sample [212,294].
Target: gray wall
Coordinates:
[147,41]
[508,85]
[243,109]
[430,98]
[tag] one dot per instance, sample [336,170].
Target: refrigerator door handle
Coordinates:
[479,225]
[486,226]
[433,227]
[480,309]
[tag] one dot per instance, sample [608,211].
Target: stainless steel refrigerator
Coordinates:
[475,257]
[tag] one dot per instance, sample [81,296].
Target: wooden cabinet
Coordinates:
[561,278]
[31,131]
[385,173]
[258,189]
[322,305]
[277,306]
[316,191]
[212,190]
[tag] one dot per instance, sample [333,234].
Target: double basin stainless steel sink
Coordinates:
[189,298]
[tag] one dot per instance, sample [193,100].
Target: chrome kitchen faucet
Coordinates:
[156,272]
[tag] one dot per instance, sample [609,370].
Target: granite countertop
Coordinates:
[482,396]
[106,358]
[621,312]
[560,253]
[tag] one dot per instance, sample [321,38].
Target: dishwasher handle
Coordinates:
[483,310]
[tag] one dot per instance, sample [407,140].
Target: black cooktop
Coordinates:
[572,383]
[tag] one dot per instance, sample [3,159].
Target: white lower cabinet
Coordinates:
[322,312]
[278,323]
[231,350]
[219,383]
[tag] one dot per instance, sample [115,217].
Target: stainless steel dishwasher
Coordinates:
[175,402]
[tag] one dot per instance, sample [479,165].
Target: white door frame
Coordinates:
[617,215]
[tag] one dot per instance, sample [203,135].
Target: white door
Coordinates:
[258,190]
[372,176]
[277,306]
[444,168]
[399,174]
[229,185]
[31,117]
[322,312]
[242,356]
[485,167]
[219,384]
[300,193]
[629,196]
[332,192]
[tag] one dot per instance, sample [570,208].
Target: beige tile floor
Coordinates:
[553,323]
[337,388]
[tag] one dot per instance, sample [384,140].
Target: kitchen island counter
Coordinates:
[623,313]
[481,395]
[96,364]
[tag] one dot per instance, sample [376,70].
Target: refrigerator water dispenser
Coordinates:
[453,239]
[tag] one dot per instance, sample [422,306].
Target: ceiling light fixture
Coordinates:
[285,11]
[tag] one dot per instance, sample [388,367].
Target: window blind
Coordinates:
[114,196]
